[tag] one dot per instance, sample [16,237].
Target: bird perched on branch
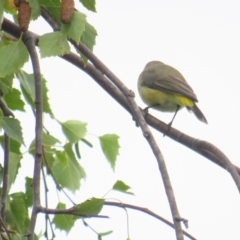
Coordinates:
[164,88]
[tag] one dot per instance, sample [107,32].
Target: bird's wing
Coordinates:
[174,85]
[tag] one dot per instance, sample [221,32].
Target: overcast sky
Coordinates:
[199,38]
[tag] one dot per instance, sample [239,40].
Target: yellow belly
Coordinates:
[168,102]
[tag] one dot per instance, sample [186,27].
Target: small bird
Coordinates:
[164,88]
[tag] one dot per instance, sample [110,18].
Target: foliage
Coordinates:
[18,90]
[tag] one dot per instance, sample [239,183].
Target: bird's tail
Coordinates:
[198,113]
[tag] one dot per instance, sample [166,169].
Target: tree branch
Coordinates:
[147,211]
[129,95]
[70,211]
[30,42]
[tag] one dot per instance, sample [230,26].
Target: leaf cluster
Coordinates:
[60,161]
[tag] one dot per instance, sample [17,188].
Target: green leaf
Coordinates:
[13,160]
[27,83]
[63,221]
[66,169]
[110,147]
[122,187]
[88,39]
[17,213]
[6,84]
[29,192]
[12,57]
[49,140]
[89,4]
[28,90]
[46,103]
[14,165]
[35,9]
[92,206]
[74,130]
[12,128]
[53,7]
[53,44]
[13,100]
[76,27]
[14,145]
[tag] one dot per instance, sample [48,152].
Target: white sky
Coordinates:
[199,38]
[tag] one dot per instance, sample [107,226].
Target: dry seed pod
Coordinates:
[67,10]
[24,14]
